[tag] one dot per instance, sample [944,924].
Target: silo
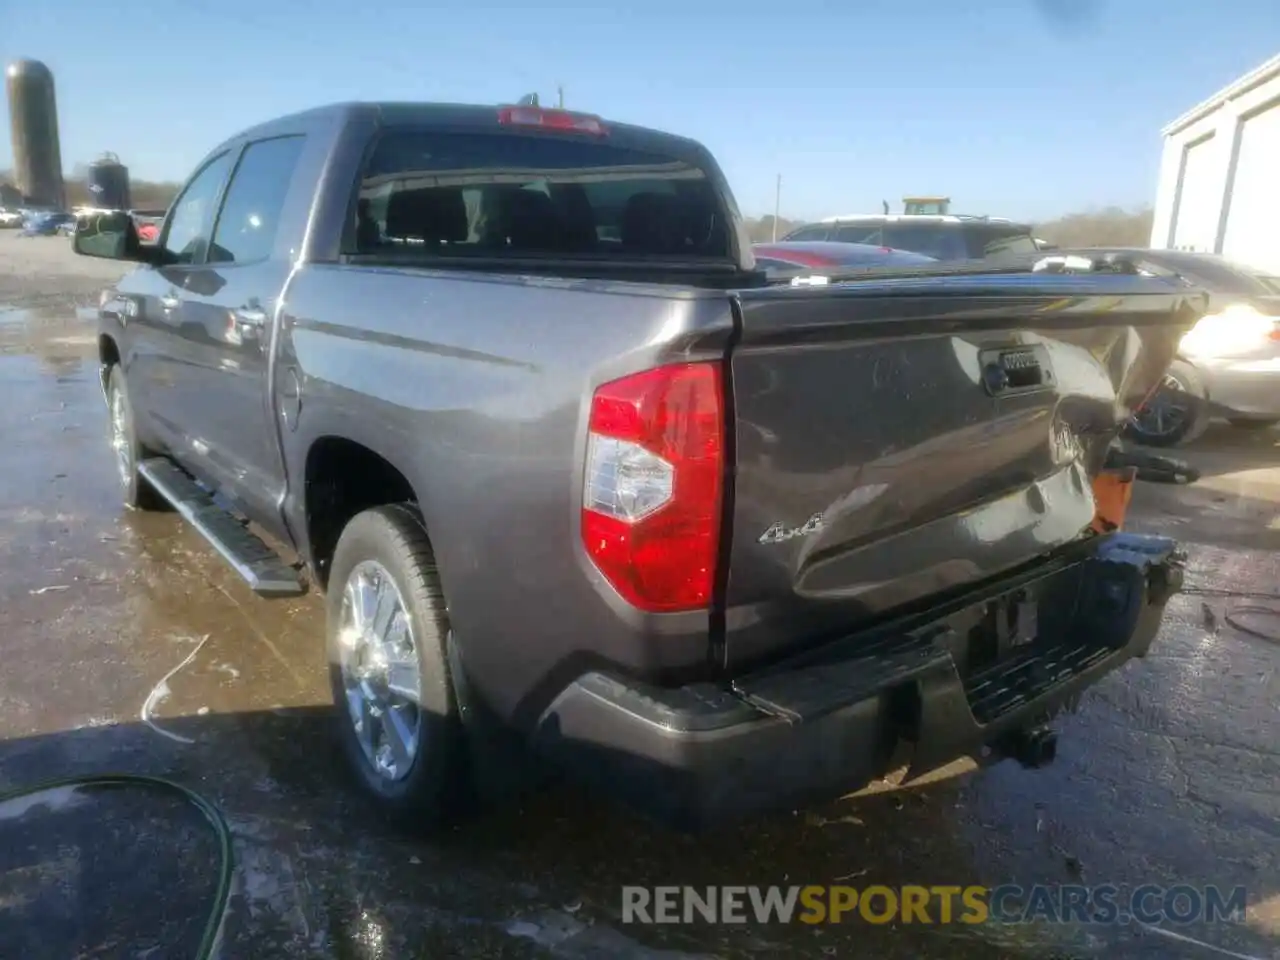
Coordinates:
[108,182]
[33,118]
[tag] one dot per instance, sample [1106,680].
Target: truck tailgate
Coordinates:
[900,439]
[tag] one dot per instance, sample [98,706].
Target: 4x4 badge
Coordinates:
[778,533]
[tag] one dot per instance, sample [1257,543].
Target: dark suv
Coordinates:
[940,237]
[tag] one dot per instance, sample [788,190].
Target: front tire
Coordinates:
[136,493]
[394,699]
[1178,413]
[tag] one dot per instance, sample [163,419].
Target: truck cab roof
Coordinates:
[395,113]
[431,154]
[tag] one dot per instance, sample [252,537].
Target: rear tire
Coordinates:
[384,557]
[126,450]
[1183,393]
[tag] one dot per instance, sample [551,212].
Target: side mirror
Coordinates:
[109,236]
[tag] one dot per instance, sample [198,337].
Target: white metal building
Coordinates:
[1219,188]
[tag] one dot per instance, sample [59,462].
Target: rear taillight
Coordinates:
[548,119]
[651,499]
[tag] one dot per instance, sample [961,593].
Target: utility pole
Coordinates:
[777,206]
[560,96]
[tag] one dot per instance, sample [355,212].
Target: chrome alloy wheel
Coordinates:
[380,671]
[120,437]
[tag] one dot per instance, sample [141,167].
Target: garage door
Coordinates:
[1200,199]
[1253,218]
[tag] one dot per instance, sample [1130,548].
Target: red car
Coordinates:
[799,254]
[148,221]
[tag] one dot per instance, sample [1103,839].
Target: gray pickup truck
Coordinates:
[506,386]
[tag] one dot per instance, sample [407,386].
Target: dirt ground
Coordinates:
[128,646]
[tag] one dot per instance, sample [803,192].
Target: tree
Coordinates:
[1108,227]
[761,229]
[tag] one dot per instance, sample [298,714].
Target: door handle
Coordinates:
[169,302]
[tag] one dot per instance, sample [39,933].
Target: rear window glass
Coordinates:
[936,240]
[859,233]
[499,194]
[808,233]
[878,255]
[944,240]
[989,241]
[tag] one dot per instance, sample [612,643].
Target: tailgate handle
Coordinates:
[1017,370]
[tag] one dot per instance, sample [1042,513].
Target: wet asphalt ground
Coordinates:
[1169,773]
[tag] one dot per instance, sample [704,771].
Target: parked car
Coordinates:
[10,219]
[792,255]
[148,223]
[581,483]
[943,237]
[1228,365]
[49,224]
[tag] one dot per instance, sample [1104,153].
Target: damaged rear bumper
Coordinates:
[831,721]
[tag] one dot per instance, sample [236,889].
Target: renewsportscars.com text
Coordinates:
[1009,903]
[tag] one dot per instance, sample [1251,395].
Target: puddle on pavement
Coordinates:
[61,363]
[60,330]
[15,314]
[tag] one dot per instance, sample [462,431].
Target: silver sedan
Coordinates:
[1228,365]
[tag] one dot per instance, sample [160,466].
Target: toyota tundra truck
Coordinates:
[506,387]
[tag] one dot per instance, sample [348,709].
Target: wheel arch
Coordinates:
[343,477]
[1199,371]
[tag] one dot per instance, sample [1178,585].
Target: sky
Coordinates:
[1019,108]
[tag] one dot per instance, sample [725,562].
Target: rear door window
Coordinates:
[250,215]
[431,194]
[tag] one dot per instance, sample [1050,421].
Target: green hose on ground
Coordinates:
[222,893]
